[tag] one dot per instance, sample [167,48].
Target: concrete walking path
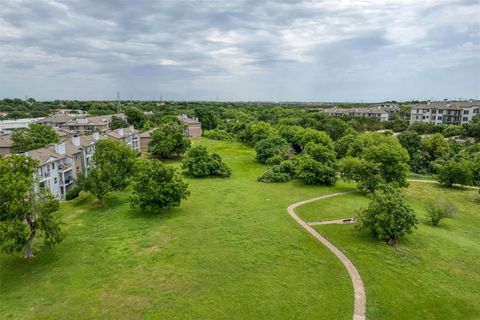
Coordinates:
[360,300]
[436,182]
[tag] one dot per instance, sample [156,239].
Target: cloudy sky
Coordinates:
[338,50]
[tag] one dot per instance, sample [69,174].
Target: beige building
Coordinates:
[375,112]
[194,127]
[56,120]
[6,144]
[91,124]
[145,138]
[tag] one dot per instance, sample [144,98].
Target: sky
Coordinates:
[338,50]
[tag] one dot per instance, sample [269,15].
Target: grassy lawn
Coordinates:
[434,273]
[229,251]
[232,251]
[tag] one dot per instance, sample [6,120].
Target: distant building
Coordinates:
[56,120]
[445,112]
[378,113]
[194,127]
[6,144]
[8,125]
[145,138]
[90,124]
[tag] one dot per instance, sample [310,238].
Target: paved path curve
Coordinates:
[360,300]
[436,182]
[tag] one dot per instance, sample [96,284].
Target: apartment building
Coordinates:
[56,120]
[128,135]
[91,124]
[194,127]
[9,125]
[378,113]
[55,170]
[445,112]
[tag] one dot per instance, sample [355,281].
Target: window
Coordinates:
[53,166]
[440,111]
[439,118]
[55,180]
[465,112]
[465,118]
[434,111]
[433,117]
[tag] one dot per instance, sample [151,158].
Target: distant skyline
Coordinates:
[368,50]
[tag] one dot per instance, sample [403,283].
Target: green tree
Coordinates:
[207,117]
[311,135]
[411,141]
[349,145]
[271,147]
[335,128]
[35,137]
[316,173]
[113,165]
[168,141]
[199,163]
[157,185]
[435,146]
[365,173]
[257,131]
[118,123]
[23,212]
[388,217]
[322,154]
[453,172]
[135,117]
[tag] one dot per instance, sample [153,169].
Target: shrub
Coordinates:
[73,193]
[199,163]
[438,211]
[218,134]
[314,172]
[272,176]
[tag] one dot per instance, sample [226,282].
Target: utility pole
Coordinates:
[118,102]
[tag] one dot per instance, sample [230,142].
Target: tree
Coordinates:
[365,173]
[314,172]
[23,212]
[271,147]
[322,154]
[135,117]
[199,163]
[118,123]
[453,172]
[335,128]
[311,135]
[257,131]
[435,146]
[411,141]
[292,134]
[168,141]
[437,211]
[348,145]
[388,217]
[156,185]
[207,117]
[35,137]
[282,172]
[113,165]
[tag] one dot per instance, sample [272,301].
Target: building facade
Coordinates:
[378,113]
[194,127]
[445,112]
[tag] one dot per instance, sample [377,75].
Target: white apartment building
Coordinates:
[375,112]
[445,112]
[128,135]
[12,124]
[55,170]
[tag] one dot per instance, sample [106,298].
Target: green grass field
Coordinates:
[232,251]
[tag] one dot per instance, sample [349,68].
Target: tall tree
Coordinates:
[24,212]
[34,137]
[388,217]
[168,141]
[113,165]
[157,186]
[135,117]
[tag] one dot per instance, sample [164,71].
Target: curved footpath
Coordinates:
[360,300]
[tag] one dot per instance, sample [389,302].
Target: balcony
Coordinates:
[65,167]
